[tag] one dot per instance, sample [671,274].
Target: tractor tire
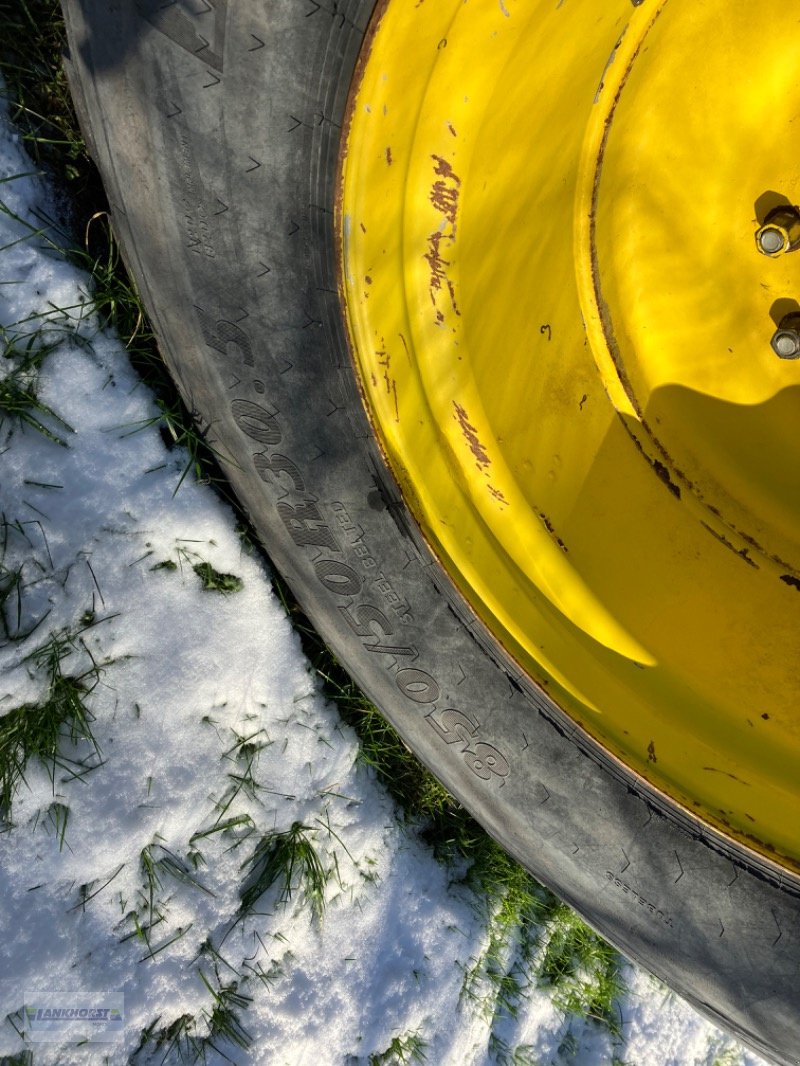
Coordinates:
[216,128]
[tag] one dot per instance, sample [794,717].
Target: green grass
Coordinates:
[22,358]
[173,1041]
[243,755]
[214,581]
[17,559]
[182,1040]
[401,1051]
[535,940]
[159,866]
[582,970]
[36,87]
[177,428]
[57,730]
[211,579]
[506,1055]
[224,1018]
[57,821]
[289,861]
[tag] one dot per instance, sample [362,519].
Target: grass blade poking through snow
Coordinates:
[582,969]
[224,1022]
[402,1050]
[535,939]
[19,401]
[39,730]
[289,860]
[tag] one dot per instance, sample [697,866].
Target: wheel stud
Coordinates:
[786,339]
[780,232]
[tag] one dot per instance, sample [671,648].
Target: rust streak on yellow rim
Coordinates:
[561,326]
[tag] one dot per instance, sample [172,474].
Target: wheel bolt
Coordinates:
[780,232]
[786,338]
[770,240]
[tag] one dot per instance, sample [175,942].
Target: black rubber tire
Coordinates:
[216,134]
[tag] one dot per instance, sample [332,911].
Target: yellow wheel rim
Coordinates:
[563,283]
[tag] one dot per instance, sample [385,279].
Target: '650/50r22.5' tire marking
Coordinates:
[216,130]
[304,522]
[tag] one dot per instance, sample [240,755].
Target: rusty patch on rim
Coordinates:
[444,194]
[385,361]
[439,278]
[444,197]
[471,437]
[548,525]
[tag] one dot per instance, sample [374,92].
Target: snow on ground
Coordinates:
[120,879]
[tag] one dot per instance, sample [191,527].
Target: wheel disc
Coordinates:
[562,321]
